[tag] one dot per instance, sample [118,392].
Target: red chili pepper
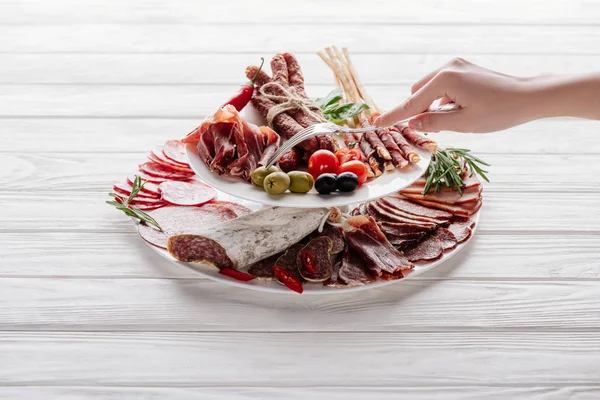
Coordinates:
[288,279]
[307,261]
[243,96]
[235,274]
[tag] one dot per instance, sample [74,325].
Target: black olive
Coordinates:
[347,182]
[325,183]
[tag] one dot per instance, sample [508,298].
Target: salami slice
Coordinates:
[144,201]
[186,193]
[263,269]
[159,153]
[178,220]
[169,164]
[124,189]
[151,179]
[239,209]
[159,171]
[222,208]
[174,150]
[314,260]
[334,233]
[149,187]
[287,261]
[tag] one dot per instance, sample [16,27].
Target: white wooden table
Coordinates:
[87,311]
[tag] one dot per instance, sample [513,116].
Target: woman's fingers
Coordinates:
[438,121]
[415,104]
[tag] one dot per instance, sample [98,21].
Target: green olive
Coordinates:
[300,182]
[259,174]
[276,183]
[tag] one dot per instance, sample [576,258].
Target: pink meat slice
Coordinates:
[124,188]
[221,207]
[385,205]
[159,171]
[462,230]
[191,193]
[177,220]
[169,165]
[149,187]
[433,246]
[174,150]
[375,211]
[353,271]
[446,238]
[460,211]
[410,207]
[453,197]
[142,201]
[239,209]
[400,229]
[222,137]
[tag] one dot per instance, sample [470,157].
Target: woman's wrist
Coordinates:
[564,96]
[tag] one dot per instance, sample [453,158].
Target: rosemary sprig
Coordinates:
[447,166]
[130,210]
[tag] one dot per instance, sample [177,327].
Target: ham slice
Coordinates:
[447,197]
[380,214]
[461,211]
[410,207]
[396,211]
[378,254]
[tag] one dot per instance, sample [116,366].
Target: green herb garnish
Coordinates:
[130,210]
[336,112]
[447,166]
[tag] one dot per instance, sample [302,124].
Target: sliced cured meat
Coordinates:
[239,209]
[447,197]
[433,246]
[314,260]
[389,207]
[221,208]
[143,201]
[370,157]
[288,260]
[410,207]
[462,230]
[149,208]
[401,242]
[402,228]
[263,269]
[174,150]
[124,189]
[386,276]
[259,235]
[334,280]
[176,220]
[380,214]
[419,140]
[149,187]
[159,171]
[378,145]
[353,271]
[363,235]
[460,211]
[151,179]
[169,165]
[200,249]
[446,238]
[443,189]
[158,152]
[335,234]
[397,155]
[191,193]
[409,153]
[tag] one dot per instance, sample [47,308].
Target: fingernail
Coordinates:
[376,121]
[415,124]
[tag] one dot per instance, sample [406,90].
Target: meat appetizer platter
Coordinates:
[293,236]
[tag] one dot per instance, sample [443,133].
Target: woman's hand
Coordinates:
[489,101]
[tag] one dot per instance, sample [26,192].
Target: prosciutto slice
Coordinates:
[371,245]
[448,197]
[397,155]
[409,153]
[417,139]
[229,144]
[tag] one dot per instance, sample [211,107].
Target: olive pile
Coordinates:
[344,182]
[274,181]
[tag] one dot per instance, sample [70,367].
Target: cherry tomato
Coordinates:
[346,154]
[321,162]
[356,167]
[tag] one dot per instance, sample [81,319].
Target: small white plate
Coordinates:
[388,183]
[272,286]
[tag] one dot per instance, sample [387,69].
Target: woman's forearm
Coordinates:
[565,96]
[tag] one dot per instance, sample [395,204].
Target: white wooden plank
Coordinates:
[59,304]
[97,172]
[42,135]
[124,255]
[534,392]
[527,212]
[194,69]
[265,38]
[311,11]
[301,359]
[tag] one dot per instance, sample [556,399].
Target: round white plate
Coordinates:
[388,183]
[261,285]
